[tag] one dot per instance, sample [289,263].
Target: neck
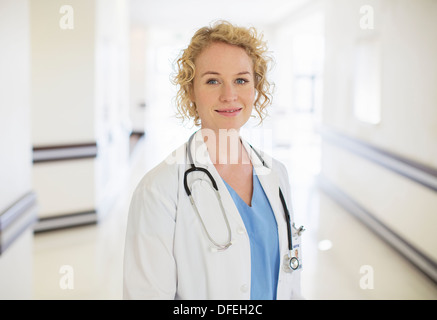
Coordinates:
[224,146]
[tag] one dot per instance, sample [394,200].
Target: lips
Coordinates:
[229,112]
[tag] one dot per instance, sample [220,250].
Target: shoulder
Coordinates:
[163,179]
[278,166]
[281,171]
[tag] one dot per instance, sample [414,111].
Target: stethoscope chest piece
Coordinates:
[294,263]
[290,264]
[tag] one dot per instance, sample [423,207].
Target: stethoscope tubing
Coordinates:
[287,218]
[214,185]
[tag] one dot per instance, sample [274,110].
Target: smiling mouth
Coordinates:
[229,112]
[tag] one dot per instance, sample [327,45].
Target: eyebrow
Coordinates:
[217,73]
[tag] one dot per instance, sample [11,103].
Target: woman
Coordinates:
[184,240]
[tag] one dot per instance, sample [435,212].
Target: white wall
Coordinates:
[405,32]
[16,159]
[80,95]
[63,102]
[112,124]
[63,74]
[138,101]
[15,146]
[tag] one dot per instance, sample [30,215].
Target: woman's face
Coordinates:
[223,87]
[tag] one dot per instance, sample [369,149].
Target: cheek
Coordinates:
[204,100]
[201,96]
[250,96]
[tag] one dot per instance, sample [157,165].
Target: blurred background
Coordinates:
[87,108]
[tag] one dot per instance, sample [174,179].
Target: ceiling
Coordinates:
[173,13]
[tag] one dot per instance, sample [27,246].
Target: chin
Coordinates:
[236,125]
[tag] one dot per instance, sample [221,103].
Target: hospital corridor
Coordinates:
[88,107]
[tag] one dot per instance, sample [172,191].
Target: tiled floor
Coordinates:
[342,258]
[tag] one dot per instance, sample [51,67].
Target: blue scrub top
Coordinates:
[262,229]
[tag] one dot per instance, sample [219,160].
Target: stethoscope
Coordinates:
[290,261]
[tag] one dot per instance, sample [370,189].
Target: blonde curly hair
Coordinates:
[222,31]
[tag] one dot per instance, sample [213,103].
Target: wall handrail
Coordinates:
[418,172]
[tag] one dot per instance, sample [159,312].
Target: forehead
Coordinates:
[223,57]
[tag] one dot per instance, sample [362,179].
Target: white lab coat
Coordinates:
[167,253]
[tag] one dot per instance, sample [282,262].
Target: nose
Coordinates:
[228,93]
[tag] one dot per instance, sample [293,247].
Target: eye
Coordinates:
[241,81]
[212,81]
